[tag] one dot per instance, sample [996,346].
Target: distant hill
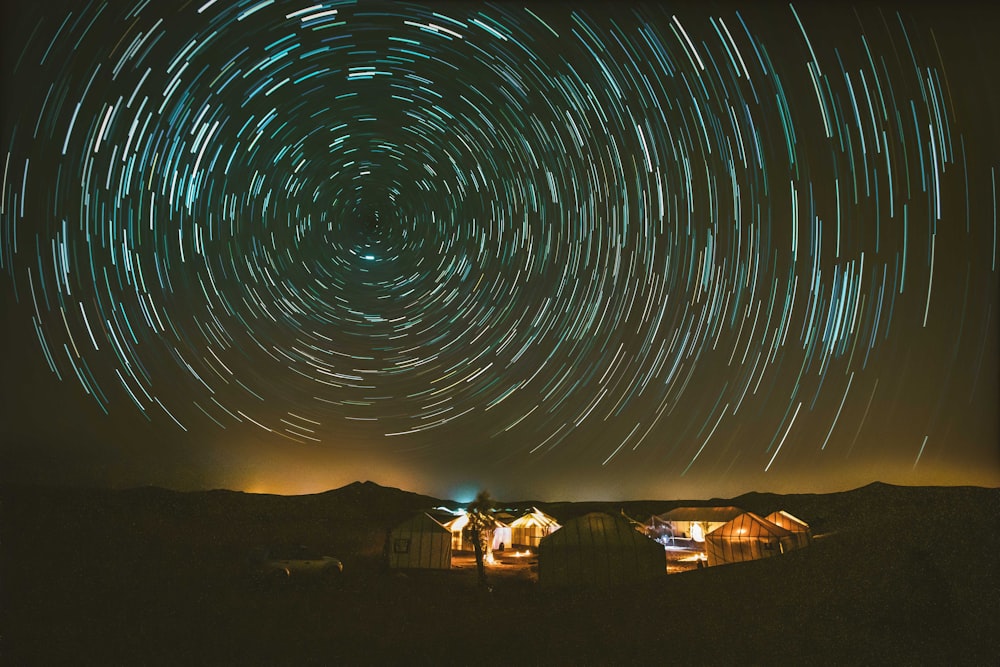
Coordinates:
[370,493]
[381,506]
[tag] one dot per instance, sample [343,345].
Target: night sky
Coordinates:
[559,251]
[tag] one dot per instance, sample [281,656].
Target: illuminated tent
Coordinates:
[529,529]
[690,522]
[500,533]
[598,550]
[457,528]
[794,525]
[420,542]
[747,537]
[502,536]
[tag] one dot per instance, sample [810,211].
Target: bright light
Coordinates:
[697,532]
[464,495]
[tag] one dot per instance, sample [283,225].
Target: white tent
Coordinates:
[500,534]
[747,537]
[457,528]
[598,550]
[689,522]
[420,542]
[794,525]
[529,529]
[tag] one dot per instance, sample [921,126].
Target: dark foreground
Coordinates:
[152,577]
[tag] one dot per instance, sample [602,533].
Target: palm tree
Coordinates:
[480,523]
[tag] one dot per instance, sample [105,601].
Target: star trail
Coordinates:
[552,249]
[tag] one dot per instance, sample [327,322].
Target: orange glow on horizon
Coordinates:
[287,479]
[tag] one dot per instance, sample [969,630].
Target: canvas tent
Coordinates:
[420,542]
[529,529]
[747,537]
[690,523]
[797,527]
[598,550]
[500,534]
[457,529]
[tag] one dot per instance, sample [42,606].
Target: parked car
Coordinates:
[294,562]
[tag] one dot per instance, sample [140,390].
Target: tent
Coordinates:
[529,529]
[420,542]
[689,522]
[747,537]
[794,525]
[500,534]
[598,550]
[457,528]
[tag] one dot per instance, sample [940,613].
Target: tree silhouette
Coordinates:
[480,523]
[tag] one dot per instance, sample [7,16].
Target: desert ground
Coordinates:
[148,576]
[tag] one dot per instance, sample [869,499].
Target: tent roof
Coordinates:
[713,514]
[535,517]
[748,524]
[422,522]
[600,530]
[442,514]
[462,520]
[787,521]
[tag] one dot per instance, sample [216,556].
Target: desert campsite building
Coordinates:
[529,529]
[689,523]
[747,537]
[456,527]
[420,542]
[794,525]
[502,536]
[598,550]
[499,537]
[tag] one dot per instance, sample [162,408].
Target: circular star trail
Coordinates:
[529,238]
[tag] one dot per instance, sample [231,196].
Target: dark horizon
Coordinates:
[466,496]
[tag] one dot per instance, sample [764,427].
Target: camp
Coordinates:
[598,550]
[420,542]
[747,537]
